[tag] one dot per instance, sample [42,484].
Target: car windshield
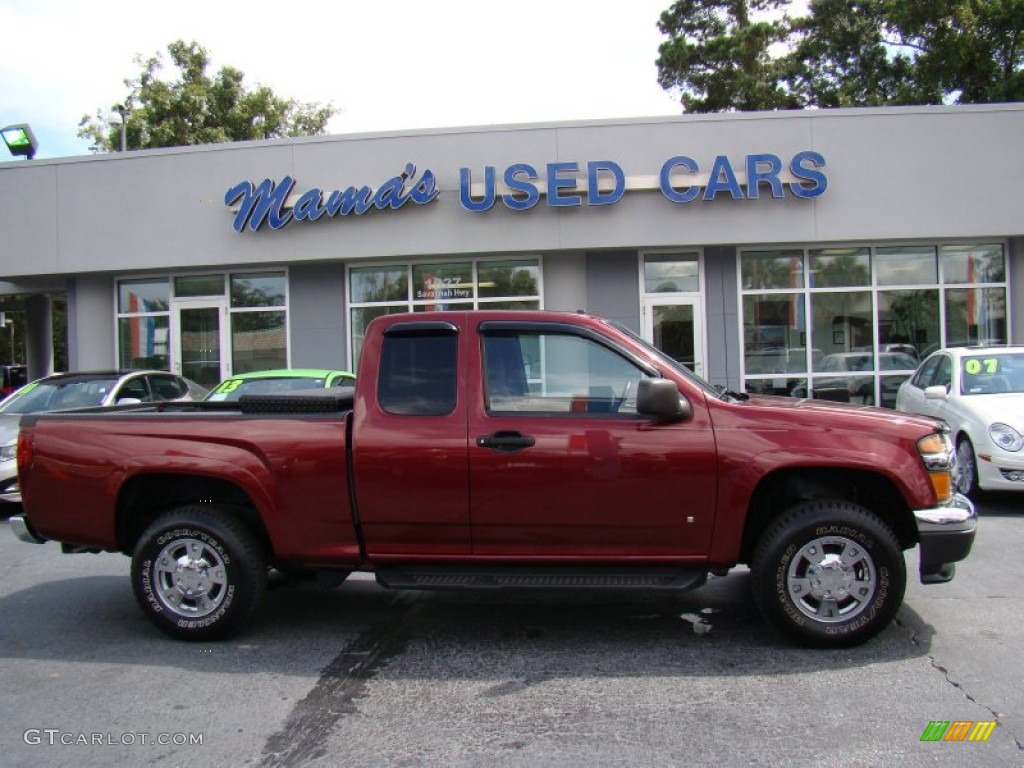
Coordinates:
[992,373]
[233,389]
[58,394]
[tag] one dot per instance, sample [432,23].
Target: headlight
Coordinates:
[9,452]
[1006,437]
[937,453]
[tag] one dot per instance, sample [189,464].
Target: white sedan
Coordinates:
[979,392]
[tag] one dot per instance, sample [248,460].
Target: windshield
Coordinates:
[992,373]
[57,395]
[233,389]
[663,358]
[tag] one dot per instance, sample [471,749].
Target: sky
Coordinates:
[386,66]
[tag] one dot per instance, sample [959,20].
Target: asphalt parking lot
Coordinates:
[359,676]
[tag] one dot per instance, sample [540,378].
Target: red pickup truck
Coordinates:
[504,449]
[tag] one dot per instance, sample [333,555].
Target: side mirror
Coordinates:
[660,398]
[128,401]
[937,392]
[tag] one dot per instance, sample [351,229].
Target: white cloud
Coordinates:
[398,65]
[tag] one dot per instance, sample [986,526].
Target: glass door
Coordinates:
[674,325]
[201,351]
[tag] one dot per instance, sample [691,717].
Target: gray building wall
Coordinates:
[904,174]
[722,316]
[317,327]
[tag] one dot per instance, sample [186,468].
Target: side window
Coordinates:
[167,387]
[923,378]
[135,388]
[943,374]
[418,374]
[557,373]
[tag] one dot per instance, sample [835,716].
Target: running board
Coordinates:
[537,577]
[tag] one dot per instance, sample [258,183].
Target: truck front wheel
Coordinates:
[828,574]
[198,573]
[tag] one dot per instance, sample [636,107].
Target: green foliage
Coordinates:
[726,55]
[198,108]
[719,55]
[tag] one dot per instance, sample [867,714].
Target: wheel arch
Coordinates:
[144,498]
[780,490]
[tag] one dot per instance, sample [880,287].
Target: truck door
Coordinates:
[409,442]
[562,464]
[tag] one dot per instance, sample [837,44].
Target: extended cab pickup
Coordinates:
[504,449]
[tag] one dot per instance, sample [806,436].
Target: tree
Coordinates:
[198,108]
[750,54]
[719,54]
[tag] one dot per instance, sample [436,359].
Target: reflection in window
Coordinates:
[148,295]
[672,273]
[508,278]
[142,342]
[258,289]
[841,323]
[975,316]
[840,268]
[374,284]
[973,264]
[908,321]
[772,269]
[191,286]
[773,333]
[258,341]
[906,265]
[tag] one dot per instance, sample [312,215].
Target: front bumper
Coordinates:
[21,529]
[945,536]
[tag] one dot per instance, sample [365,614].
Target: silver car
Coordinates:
[62,391]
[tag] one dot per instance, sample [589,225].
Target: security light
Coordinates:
[20,140]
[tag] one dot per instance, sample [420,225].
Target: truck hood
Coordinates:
[842,415]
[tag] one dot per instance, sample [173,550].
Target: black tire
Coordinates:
[198,573]
[965,477]
[816,597]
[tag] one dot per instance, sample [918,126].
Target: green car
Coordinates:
[281,380]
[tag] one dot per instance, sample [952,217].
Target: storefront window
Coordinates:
[198,285]
[840,268]
[258,322]
[975,316]
[672,273]
[258,289]
[906,265]
[258,341]
[763,270]
[368,284]
[973,264]
[436,286]
[142,342]
[499,279]
[874,313]
[148,295]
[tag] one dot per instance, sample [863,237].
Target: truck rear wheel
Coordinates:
[829,574]
[198,573]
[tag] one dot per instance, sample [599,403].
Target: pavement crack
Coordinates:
[341,684]
[995,715]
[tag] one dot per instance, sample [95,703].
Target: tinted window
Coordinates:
[924,376]
[167,387]
[418,374]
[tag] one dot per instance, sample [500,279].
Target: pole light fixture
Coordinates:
[20,140]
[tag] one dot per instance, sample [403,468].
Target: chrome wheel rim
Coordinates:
[190,578]
[963,476]
[831,579]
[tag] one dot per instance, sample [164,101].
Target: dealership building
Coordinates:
[767,251]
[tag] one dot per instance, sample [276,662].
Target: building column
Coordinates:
[39,336]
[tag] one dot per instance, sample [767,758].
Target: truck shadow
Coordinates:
[445,635]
